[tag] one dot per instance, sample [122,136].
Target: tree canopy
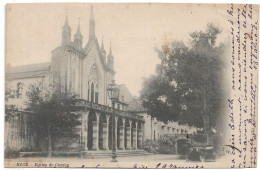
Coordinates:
[187,86]
[55,115]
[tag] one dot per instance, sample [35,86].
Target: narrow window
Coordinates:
[96,94]
[92,92]
[19,89]
[88,91]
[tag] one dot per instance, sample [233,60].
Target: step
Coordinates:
[88,154]
[120,153]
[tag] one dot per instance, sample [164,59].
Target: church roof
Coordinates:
[71,46]
[28,68]
[27,71]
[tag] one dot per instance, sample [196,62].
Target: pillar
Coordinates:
[122,135]
[105,133]
[96,133]
[135,136]
[140,137]
[128,135]
[84,126]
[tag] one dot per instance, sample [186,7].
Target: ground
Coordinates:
[144,161]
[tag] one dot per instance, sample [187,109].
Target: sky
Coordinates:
[134,30]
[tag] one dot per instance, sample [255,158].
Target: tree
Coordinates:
[11,110]
[55,115]
[187,86]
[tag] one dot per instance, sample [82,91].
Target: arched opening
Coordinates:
[91,118]
[102,120]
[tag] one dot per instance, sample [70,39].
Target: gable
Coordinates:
[125,93]
[93,45]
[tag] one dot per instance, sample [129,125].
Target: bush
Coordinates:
[10,153]
[162,147]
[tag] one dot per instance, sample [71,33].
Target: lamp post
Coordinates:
[113,93]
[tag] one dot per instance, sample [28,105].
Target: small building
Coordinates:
[155,129]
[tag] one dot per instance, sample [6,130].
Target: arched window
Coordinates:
[96,94]
[19,89]
[92,92]
[93,89]
[88,91]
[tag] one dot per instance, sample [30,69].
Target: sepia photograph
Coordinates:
[131,85]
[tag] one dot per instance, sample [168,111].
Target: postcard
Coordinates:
[131,85]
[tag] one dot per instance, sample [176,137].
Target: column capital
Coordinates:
[85,114]
[130,122]
[136,124]
[107,117]
[97,115]
[123,120]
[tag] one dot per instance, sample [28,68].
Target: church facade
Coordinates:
[86,70]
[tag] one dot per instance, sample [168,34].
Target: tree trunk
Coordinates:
[49,142]
[205,114]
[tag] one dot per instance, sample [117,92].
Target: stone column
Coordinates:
[84,126]
[128,135]
[106,133]
[135,137]
[116,119]
[140,137]
[122,136]
[96,133]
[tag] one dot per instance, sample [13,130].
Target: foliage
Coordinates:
[55,115]
[11,110]
[187,84]
[162,147]
[10,153]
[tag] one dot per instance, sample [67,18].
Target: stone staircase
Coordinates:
[108,153]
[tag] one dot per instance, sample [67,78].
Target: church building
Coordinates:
[87,70]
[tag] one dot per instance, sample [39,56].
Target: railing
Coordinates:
[123,113]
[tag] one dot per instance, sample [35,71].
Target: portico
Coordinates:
[96,128]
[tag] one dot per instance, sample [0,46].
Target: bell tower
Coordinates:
[66,32]
[78,37]
[103,51]
[110,58]
[91,25]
